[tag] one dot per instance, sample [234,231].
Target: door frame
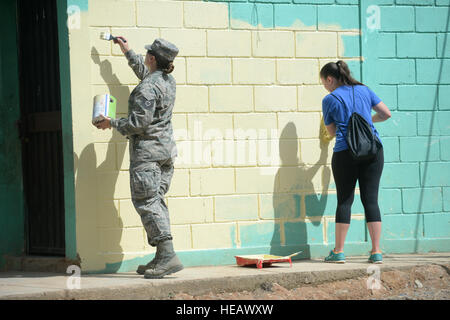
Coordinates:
[12,206]
[67,134]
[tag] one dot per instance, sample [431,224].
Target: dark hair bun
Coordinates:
[163,64]
[169,68]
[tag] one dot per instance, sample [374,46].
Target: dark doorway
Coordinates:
[40,126]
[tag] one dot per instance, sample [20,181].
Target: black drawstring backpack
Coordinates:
[361,140]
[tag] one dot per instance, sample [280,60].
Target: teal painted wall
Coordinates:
[413,35]
[11,191]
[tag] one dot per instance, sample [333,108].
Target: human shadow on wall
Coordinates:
[293,180]
[120,92]
[95,185]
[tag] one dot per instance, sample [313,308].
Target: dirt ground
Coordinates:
[431,282]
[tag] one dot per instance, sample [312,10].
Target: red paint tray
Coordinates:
[263,259]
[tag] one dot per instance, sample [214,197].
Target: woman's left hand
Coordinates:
[104,123]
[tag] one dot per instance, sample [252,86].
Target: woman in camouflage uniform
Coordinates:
[152,148]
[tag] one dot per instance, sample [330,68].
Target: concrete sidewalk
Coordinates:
[200,280]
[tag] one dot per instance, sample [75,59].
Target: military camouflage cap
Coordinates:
[163,48]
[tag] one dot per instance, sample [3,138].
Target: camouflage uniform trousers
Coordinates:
[149,182]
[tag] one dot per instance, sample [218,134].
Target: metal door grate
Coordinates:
[40,126]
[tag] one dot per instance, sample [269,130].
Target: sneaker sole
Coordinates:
[170,271]
[376,262]
[341,261]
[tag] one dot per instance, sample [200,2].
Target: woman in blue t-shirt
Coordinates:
[337,109]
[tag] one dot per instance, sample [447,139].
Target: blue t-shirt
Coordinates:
[335,112]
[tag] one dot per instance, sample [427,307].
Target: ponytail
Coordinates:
[340,71]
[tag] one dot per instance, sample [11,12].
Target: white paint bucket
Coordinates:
[104,104]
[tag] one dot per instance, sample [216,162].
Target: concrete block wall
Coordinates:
[411,67]
[252,175]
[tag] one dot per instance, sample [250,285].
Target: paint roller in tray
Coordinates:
[108,36]
[104,105]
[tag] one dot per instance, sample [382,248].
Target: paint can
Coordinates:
[104,104]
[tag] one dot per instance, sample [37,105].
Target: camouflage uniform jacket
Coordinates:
[149,125]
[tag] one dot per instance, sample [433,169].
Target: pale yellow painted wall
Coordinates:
[237,91]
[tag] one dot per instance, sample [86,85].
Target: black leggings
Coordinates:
[346,171]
